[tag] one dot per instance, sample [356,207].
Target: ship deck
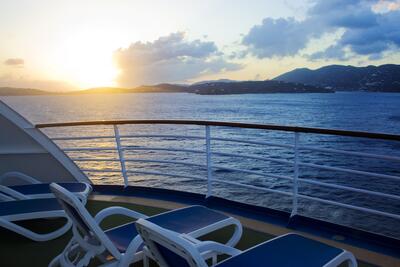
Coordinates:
[19,251]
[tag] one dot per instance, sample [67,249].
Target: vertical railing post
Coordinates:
[295,174]
[209,163]
[120,155]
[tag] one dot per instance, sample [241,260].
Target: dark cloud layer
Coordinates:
[170,58]
[366,32]
[14,62]
[278,37]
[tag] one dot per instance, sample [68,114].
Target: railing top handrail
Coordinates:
[371,135]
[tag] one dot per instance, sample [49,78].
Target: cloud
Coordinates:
[333,51]
[366,31]
[343,13]
[170,58]
[9,80]
[370,41]
[278,37]
[17,62]
[385,5]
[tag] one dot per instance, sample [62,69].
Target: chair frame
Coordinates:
[8,222]
[195,252]
[95,243]
[7,193]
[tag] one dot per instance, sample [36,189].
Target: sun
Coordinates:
[86,59]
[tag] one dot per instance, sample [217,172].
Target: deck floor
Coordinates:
[19,251]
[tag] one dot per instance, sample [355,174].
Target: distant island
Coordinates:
[384,78]
[12,91]
[328,79]
[207,88]
[254,87]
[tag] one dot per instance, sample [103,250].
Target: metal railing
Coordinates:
[208,152]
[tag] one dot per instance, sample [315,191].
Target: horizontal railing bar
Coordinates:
[346,152]
[166,161]
[163,149]
[370,174]
[94,159]
[162,136]
[96,170]
[231,124]
[127,136]
[82,137]
[142,160]
[146,172]
[353,189]
[251,142]
[252,187]
[253,157]
[89,149]
[253,172]
[313,198]
[166,174]
[335,203]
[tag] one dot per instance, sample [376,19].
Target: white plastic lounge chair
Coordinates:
[19,210]
[33,188]
[121,246]
[172,249]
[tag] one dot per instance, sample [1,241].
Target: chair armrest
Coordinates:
[211,246]
[12,193]
[88,189]
[191,239]
[118,211]
[217,248]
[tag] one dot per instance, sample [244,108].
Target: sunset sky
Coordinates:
[71,44]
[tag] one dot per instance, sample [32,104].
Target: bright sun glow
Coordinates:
[86,59]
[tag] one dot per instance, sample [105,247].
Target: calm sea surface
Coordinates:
[373,112]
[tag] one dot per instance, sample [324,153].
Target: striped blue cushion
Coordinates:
[184,220]
[286,251]
[33,189]
[28,206]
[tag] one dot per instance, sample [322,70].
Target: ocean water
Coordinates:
[374,112]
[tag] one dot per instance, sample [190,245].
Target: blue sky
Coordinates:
[63,45]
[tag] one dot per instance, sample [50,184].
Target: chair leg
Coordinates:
[55,262]
[352,263]
[214,259]
[145,261]
[344,258]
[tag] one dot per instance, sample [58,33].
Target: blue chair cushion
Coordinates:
[33,189]
[171,258]
[286,251]
[183,221]
[28,206]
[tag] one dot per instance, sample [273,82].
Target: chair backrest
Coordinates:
[169,248]
[17,178]
[86,231]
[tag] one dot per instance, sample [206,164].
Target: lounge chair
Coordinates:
[33,188]
[172,249]
[122,245]
[29,209]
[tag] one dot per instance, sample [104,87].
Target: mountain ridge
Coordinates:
[383,78]
[327,79]
[13,91]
